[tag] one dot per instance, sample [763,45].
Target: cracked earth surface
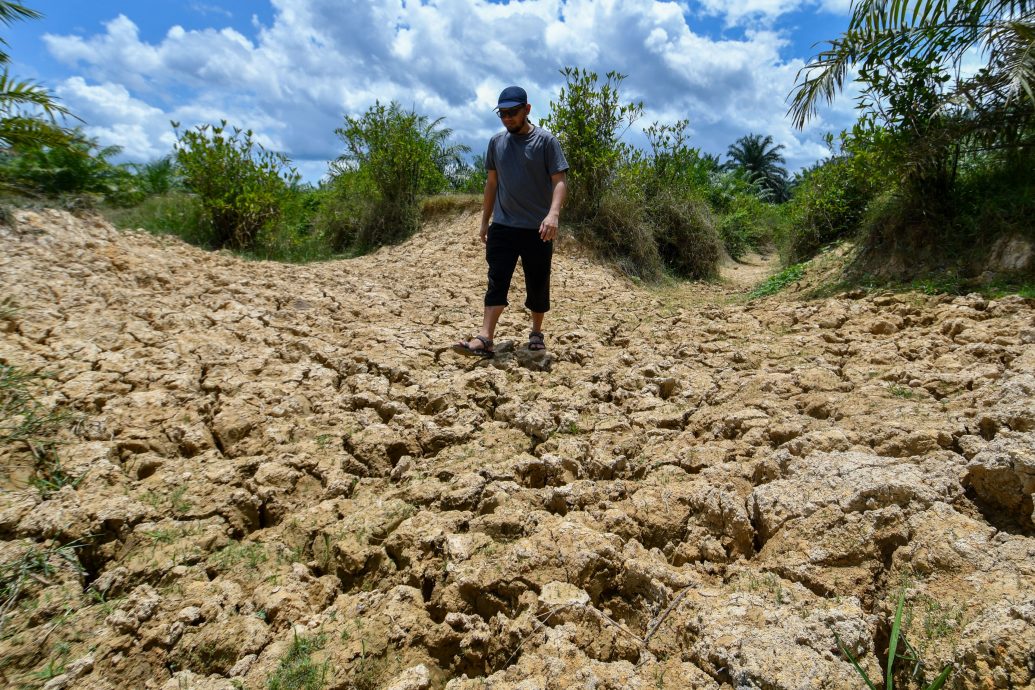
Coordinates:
[686,491]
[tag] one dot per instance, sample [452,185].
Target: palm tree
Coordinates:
[761,163]
[886,35]
[23,102]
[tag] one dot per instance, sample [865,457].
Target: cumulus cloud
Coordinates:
[318,60]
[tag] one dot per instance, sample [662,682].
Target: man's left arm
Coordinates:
[548,228]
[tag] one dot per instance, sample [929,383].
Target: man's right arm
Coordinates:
[488,201]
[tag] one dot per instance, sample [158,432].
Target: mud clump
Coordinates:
[278,470]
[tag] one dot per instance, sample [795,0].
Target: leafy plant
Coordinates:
[75,165]
[589,119]
[778,282]
[297,670]
[761,163]
[392,158]
[157,177]
[893,654]
[28,112]
[240,184]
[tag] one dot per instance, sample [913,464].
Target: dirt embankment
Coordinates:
[284,465]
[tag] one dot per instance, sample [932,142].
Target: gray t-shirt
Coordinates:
[523,165]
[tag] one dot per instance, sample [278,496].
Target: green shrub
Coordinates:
[469,178]
[830,199]
[589,120]
[76,166]
[240,185]
[296,235]
[774,284]
[392,159]
[620,232]
[685,235]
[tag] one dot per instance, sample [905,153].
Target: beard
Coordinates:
[516,128]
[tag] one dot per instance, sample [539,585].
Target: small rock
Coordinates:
[416,678]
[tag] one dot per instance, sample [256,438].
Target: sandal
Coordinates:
[485,351]
[536,341]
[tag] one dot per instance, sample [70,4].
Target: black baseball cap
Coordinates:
[512,96]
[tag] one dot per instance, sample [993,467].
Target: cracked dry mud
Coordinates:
[686,491]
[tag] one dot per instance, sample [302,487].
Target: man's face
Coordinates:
[514,119]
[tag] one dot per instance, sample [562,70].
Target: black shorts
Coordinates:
[503,247]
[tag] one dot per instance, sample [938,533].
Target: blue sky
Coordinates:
[291,69]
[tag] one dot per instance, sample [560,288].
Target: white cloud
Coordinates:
[320,59]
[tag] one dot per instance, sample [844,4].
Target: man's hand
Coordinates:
[548,228]
[484,233]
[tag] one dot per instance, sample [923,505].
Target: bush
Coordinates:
[621,233]
[589,120]
[392,159]
[831,198]
[684,232]
[240,185]
[77,166]
[296,235]
[746,222]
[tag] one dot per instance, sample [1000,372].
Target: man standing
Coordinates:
[524,192]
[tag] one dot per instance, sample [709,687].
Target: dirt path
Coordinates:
[278,465]
[750,270]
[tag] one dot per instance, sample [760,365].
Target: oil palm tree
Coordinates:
[22,103]
[885,34]
[761,162]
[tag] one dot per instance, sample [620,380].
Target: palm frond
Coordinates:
[20,131]
[16,95]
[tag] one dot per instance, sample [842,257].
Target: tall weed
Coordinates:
[241,185]
[392,158]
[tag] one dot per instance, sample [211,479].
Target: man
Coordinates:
[523,195]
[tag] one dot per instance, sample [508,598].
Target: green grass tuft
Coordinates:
[779,281]
[297,670]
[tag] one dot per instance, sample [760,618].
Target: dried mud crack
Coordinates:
[685,491]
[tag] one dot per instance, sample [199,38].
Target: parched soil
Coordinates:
[280,476]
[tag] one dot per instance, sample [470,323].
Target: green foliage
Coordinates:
[240,184]
[684,232]
[907,654]
[641,210]
[157,177]
[297,670]
[778,282]
[886,37]
[175,213]
[469,178]
[831,199]
[923,124]
[392,158]
[295,235]
[75,166]
[761,164]
[11,12]
[589,119]
[28,112]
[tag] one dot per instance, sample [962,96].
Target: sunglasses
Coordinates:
[510,112]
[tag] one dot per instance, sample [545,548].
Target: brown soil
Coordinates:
[279,465]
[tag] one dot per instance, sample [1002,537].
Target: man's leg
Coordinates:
[501,253]
[489,321]
[536,257]
[537,321]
